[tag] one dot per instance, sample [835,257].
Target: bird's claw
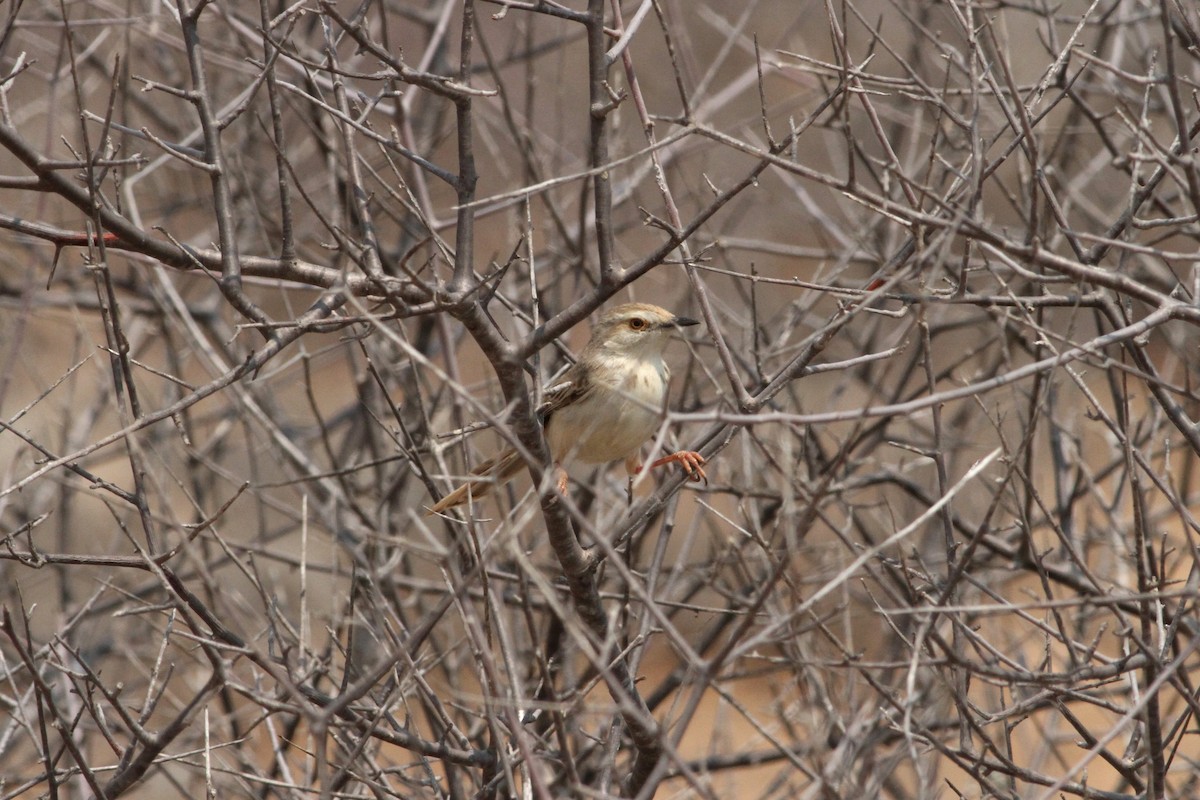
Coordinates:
[691,461]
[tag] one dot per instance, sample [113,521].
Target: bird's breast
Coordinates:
[620,412]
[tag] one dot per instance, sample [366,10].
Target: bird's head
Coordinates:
[636,329]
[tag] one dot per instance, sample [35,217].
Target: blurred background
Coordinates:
[275,276]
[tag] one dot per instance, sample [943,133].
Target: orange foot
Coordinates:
[691,461]
[563,477]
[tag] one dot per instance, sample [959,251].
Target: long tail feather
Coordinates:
[491,473]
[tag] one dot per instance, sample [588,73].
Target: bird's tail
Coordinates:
[491,473]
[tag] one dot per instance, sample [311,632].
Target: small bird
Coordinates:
[605,406]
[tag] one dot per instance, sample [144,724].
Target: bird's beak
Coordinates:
[684,322]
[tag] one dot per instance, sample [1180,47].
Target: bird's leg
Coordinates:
[563,478]
[633,465]
[691,461]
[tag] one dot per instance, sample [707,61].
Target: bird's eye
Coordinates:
[637,324]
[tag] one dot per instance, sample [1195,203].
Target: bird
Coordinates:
[604,408]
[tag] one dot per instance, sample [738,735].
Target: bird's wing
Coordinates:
[574,386]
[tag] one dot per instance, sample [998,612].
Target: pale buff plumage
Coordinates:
[606,405]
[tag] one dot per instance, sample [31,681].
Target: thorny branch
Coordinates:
[273,279]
